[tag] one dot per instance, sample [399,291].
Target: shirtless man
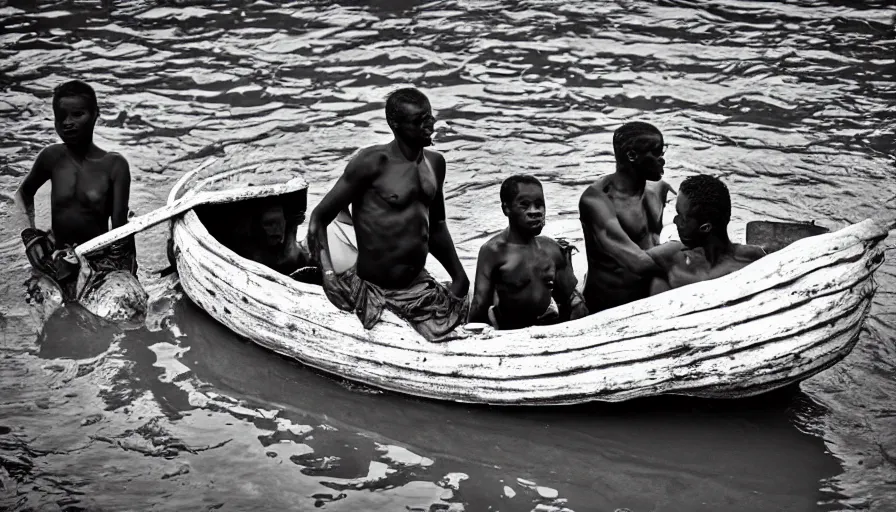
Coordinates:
[398,212]
[90,187]
[531,275]
[705,252]
[622,216]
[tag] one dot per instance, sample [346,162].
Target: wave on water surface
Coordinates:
[789,102]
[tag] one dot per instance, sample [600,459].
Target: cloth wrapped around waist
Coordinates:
[59,263]
[428,305]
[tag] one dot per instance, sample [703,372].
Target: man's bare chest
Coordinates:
[402,185]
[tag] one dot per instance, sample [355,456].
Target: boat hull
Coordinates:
[778,321]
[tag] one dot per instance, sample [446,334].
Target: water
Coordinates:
[790,103]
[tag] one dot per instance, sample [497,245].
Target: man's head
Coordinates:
[703,208]
[640,147]
[273,225]
[522,200]
[75,111]
[409,115]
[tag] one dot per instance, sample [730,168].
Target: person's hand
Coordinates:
[333,289]
[460,286]
[313,244]
[578,311]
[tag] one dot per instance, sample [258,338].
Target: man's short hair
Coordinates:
[407,95]
[625,134]
[511,186]
[75,88]
[709,199]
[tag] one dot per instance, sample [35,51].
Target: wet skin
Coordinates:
[622,217]
[524,270]
[704,252]
[398,210]
[90,186]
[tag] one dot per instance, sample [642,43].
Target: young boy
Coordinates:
[90,188]
[530,275]
[703,210]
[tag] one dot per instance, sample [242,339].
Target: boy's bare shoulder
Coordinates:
[494,245]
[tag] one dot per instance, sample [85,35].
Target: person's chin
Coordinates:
[534,229]
[689,243]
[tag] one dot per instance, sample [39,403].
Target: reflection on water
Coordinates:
[790,103]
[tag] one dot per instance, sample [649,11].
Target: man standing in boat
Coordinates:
[705,252]
[90,188]
[622,216]
[395,191]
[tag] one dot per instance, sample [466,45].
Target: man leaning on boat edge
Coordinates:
[398,212]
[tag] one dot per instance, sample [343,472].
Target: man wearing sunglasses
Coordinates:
[398,214]
[622,216]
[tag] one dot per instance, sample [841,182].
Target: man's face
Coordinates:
[691,232]
[414,124]
[273,226]
[526,211]
[74,120]
[645,154]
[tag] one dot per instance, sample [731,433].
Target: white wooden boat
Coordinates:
[780,320]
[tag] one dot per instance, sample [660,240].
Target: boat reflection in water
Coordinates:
[351,439]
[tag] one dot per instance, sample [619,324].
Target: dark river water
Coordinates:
[791,103]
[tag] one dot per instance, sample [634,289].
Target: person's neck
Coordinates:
[81,149]
[627,181]
[517,237]
[412,153]
[716,246]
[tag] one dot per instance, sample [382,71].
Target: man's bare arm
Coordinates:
[483,289]
[357,177]
[599,215]
[40,173]
[121,191]
[664,254]
[440,243]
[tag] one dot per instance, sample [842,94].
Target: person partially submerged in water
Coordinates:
[90,189]
[622,217]
[522,278]
[705,252]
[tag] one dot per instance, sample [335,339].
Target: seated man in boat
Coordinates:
[272,239]
[398,212]
[705,252]
[531,275]
[90,188]
[622,216]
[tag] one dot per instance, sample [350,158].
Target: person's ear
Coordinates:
[706,227]
[631,155]
[505,209]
